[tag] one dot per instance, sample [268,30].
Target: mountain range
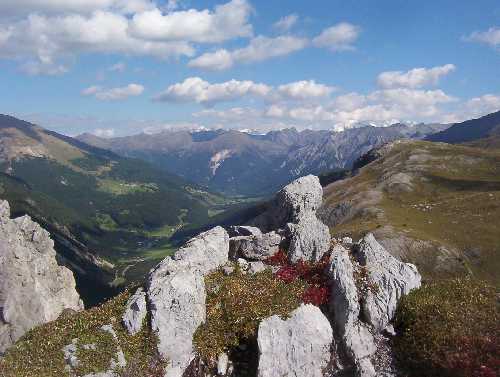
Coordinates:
[111,217]
[242,164]
[116,206]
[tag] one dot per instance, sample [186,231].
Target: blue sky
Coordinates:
[117,67]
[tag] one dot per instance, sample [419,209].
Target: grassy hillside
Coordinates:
[103,209]
[434,204]
[470,130]
[34,355]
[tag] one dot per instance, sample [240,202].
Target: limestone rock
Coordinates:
[243,264]
[344,300]
[34,289]
[297,346]
[346,240]
[176,295]
[358,342]
[240,230]
[227,270]
[309,239]
[256,247]
[391,277]
[300,198]
[135,312]
[222,364]
[116,363]
[256,267]
[177,309]
[203,253]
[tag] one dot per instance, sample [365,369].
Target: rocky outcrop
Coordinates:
[301,197]
[116,362]
[135,312]
[309,239]
[293,211]
[391,277]
[176,295]
[297,346]
[348,338]
[255,247]
[34,289]
[356,338]
[241,230]
[365,290]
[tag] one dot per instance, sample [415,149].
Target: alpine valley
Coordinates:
[244,164]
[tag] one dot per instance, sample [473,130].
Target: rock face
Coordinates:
[388,280]
[34,289]
[298,346]
[294,210]
[357,340]
[309,239]
[255,247]
[176,294]
[135,312]
[241,230]
[301,197]
[392,278]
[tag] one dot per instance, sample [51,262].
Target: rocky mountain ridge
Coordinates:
[238,163]
[472,130]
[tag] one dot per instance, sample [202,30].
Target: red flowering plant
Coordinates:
[317,292]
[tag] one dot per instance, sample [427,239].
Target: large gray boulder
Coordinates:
[362,309]
[309,239]
[356,338]
[300,198]
[242,230]
[135,312]
[391,278]
[34,289]
[255,247]
[294,208]
[297,346]
[176,295]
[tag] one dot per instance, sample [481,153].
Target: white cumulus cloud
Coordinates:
[286,23]
[414,78]
[259,49]
[227,21]
[23,7]
[490,37]
[114,94]
[48,40]
[304,90]
[195,89]
[53,33]
[339,37]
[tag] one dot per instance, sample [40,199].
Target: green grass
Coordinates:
[461,186]
[449,328]
[125,188]
[106,222]
[39,352]
[237,303]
